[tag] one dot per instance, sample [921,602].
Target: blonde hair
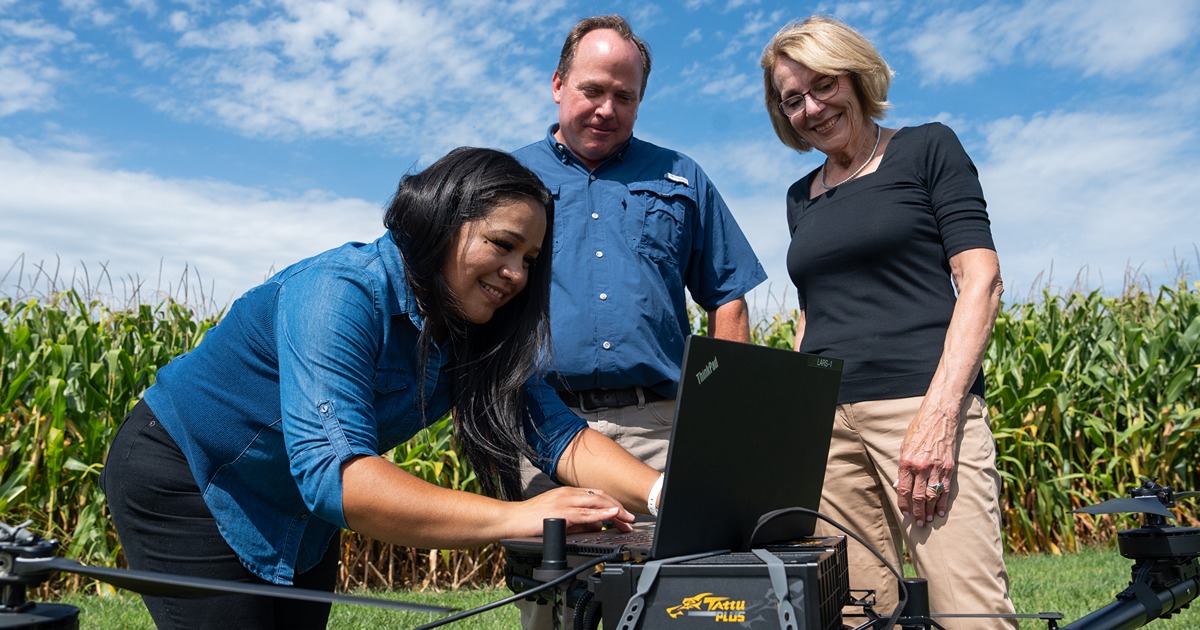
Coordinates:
[826,46]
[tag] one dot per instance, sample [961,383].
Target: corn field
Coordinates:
[1087,392]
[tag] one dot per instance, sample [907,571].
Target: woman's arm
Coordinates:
[928,456]
[800,321]
[382,501]
[594,460]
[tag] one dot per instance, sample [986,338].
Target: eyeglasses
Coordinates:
[821,91]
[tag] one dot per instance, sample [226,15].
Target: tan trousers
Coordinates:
[961,555]
[644,431]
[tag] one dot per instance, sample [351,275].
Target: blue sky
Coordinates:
[140,138]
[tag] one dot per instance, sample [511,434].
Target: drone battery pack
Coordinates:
[731,590]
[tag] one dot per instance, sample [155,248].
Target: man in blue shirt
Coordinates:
[635,225]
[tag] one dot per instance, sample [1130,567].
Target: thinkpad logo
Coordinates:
[707,371]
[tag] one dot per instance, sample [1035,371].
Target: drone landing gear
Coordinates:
[43,617]
[15,610]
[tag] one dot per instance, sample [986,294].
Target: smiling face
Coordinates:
[489,261]
[598,98]
[834,127]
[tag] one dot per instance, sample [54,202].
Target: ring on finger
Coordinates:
[936,488]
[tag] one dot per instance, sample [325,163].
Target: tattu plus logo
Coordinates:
[721,609]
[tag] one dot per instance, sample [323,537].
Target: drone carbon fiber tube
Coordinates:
[1121,615]
[146,582]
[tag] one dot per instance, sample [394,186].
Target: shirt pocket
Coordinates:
[655,216]
[396,406]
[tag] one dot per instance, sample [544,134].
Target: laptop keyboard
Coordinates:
[643,537]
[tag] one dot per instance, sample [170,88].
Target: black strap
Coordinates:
[633,608]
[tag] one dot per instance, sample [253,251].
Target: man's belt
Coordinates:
[596,399]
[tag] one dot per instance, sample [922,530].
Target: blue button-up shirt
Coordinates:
[629,236]
[306,371]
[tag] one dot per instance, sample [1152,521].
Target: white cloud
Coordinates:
[88,11]
[362,68]
[149,7]
[1112,37]
[68,206]
[28,76]
[180,20]
[952,46]
[1107,38]
[1063,195]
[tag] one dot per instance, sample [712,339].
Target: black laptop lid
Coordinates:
[751,435]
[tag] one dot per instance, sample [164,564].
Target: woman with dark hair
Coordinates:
[896,274]
[250,453]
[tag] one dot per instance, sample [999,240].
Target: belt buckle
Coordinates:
[583,403]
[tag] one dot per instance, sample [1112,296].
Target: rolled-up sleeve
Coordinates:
[550,424]
[328,330]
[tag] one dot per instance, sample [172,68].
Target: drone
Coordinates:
[1166,573]
[27,559]
[1165,579]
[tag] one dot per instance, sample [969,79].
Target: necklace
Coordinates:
[878,134]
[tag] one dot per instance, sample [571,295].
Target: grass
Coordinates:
[124,610]
[1073,584]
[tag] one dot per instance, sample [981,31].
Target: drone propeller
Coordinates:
[159,584]
[1143,505]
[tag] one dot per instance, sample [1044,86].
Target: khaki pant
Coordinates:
[644,431]
[961,555]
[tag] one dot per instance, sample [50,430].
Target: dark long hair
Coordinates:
[492,361]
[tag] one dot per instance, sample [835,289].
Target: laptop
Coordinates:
[751,435]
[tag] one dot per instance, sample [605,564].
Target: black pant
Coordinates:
[165,527]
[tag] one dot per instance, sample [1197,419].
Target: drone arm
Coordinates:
[1149,604]
[149,583]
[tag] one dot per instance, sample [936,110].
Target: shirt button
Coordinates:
[323,408]
[593,178]
[606,345]
[603,296]
[599,254]
[595,215]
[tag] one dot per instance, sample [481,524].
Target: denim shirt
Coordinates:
[629,237]
[306,371]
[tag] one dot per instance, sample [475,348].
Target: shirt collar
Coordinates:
[565,155]
[398,278]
